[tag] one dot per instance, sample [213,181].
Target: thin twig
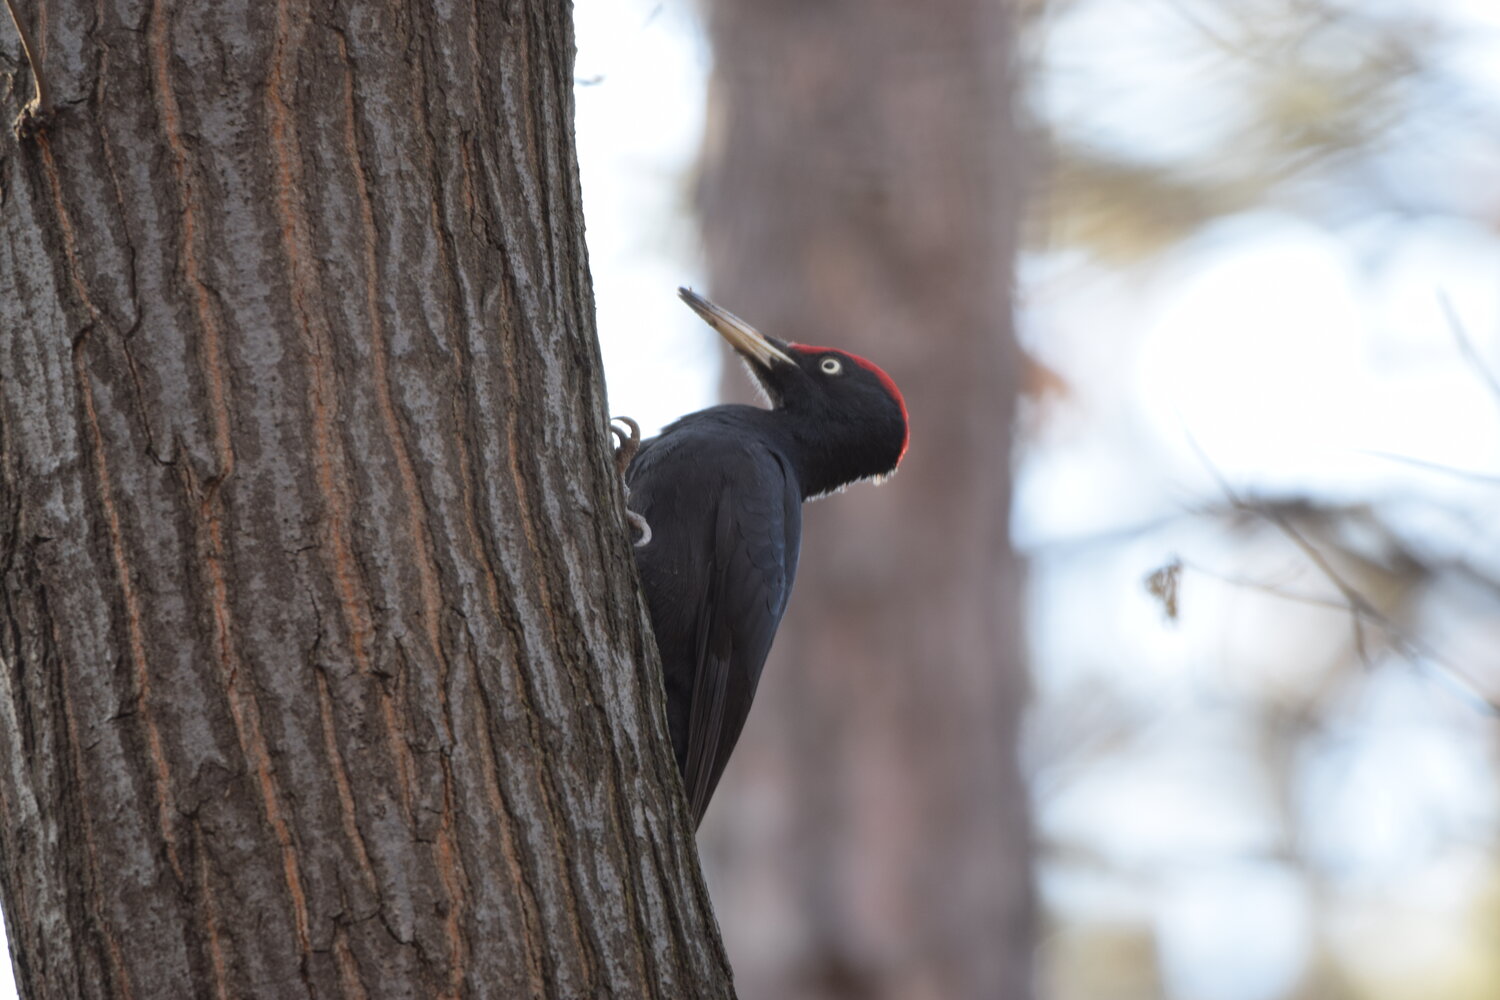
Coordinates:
[1357,601]
[1274,590]
[1359,608]
[1411,650]
[1447,470]
[1466,346]
[38,111]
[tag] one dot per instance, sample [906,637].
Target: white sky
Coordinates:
[643,71]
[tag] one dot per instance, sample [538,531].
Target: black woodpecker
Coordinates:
[722,491]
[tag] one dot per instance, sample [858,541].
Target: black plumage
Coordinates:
[722,491]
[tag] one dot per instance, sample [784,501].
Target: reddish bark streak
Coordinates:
[524,518]
[214,365]
[332,473]
[416,526]
[450,871]
[508,849]
[211,923]
[117,962]
[119,973]
[530,928]
[328,458]
[353,986]
[246,715]
[341,782]
[244,712]
[136,637]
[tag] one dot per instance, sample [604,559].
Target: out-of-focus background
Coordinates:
[1256,479]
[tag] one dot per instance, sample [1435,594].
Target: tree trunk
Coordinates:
[323,671]
[862,189]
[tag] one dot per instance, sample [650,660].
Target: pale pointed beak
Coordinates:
[750,342]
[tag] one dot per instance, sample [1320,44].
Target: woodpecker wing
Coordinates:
[713,680]
[725,516]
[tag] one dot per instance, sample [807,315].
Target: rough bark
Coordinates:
[322,667]
[861,189]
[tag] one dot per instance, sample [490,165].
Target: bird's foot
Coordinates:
[628,446]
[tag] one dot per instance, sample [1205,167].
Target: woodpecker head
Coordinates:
[845,412]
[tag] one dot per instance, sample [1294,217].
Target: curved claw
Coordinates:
[638,521]
[628,446]
[624,454]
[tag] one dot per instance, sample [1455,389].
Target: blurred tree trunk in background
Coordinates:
[862,189]
[323,671]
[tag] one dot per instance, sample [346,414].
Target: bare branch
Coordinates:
[1411,650]
[1466,346]
[1360,609]
[1447,470]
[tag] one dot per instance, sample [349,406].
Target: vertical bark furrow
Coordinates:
[36,446]
[135,639]
[98,926]
[350,979]
[253,741]
[309,303]
[328,459]
[532,865]
[344,785]
[119,558]
[190,253]
[109,705]
[534,961]
[207,496]
[539,707]
[416,514]
[213,943]
[446,853]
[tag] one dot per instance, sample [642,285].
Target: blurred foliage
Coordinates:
[1098,960]
[1341,667]
[1311,98]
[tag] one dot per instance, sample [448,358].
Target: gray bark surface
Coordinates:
[862,189]
[323,671]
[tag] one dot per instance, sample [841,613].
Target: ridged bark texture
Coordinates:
[862,190]
[323,671]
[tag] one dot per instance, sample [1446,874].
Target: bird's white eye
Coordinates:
[831,366]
